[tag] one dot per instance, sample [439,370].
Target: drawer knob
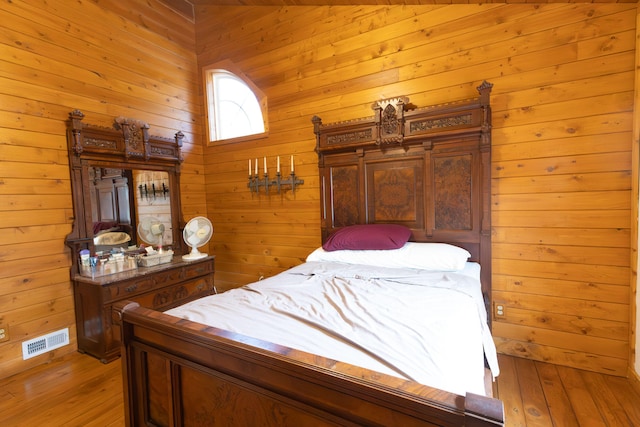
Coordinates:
[131,288]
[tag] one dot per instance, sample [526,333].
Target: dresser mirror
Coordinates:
[124,201]
[123,181]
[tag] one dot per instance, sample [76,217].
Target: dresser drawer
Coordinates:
[173,296]
[169,277]
[162,279]
[128,289]
[199,269]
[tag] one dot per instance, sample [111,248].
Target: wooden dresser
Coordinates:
[160,287]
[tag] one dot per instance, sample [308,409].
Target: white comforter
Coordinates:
[429,327]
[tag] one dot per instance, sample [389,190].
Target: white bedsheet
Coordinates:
[429,327]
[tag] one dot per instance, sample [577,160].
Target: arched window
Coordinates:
[236,109]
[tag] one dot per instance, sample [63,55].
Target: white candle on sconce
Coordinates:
[267,184]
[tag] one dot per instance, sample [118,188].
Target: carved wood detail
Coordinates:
[348,137]
[453,192]
[390,120]
[345,181]
[440,123]
[394,194]
[427,168]
[126,145]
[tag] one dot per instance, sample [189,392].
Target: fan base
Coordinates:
[193,257]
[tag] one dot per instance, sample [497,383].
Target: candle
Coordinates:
[265,165]
[249,167]
[278,165]
[256,166]
[292,163]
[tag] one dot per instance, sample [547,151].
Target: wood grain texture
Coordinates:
[72,390]
[175,369]
[353,2]
[562,120]
[562,135]
[108,59]
[79,390]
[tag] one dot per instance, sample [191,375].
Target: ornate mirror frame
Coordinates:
[127,145]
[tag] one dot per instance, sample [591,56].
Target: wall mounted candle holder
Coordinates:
[279,183]
[151,191]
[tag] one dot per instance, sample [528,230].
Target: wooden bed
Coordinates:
[425,168]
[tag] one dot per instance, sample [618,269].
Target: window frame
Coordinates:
[229,67]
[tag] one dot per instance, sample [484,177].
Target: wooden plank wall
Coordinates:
[107,58]
[562,116]
[634,366]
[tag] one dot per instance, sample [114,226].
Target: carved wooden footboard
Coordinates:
[182,373]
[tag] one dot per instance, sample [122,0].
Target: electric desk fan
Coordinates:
[151,230]
[197,233]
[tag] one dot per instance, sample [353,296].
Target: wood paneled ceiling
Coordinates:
[377,2]
[187,7]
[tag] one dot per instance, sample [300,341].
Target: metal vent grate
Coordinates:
[45,343]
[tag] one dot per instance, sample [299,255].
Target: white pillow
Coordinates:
[424,256]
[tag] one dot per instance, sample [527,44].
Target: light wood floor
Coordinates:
[78,390]
[541,394]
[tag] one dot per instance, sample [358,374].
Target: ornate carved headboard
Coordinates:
[427,168]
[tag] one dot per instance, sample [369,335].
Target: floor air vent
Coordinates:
[45,343]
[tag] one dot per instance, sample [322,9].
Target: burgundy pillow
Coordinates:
[368,237]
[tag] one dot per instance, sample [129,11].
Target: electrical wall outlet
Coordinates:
[4,332]
[499,310]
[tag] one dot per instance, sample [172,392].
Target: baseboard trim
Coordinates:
[634,379]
